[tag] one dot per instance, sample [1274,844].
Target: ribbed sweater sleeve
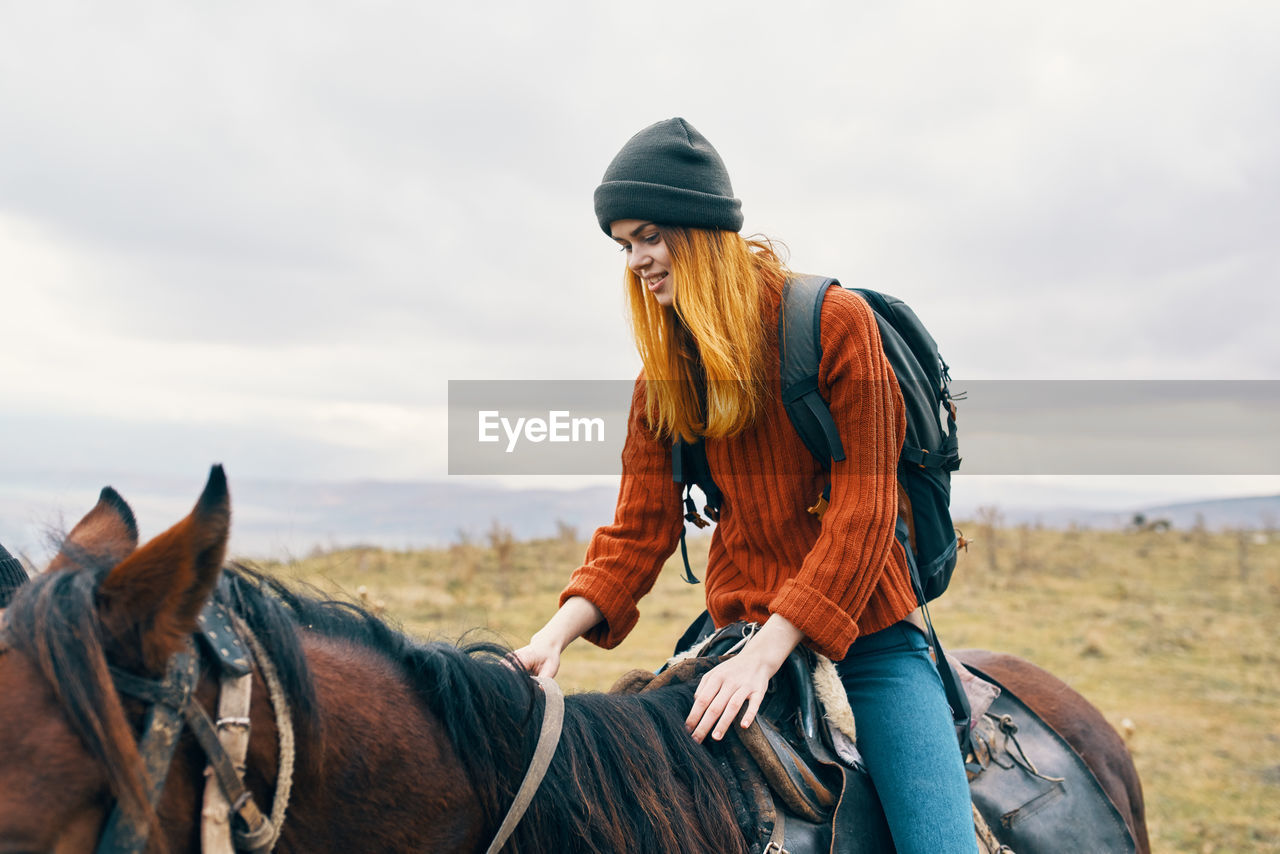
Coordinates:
[839,574]
[623,559]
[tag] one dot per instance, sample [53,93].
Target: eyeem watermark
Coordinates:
[1015,427]
[558,426]
[537,426]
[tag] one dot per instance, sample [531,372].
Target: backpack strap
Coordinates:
[800,345]
[950,452]
[961,714]
[689,468]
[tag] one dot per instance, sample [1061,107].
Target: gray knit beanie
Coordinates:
[668,174]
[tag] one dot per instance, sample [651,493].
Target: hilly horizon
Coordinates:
[277,518]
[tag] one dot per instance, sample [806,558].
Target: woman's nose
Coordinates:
[638,259]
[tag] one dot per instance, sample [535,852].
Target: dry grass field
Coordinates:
[1172,634]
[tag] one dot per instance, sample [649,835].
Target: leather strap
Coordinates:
[257,832]
[222,642]
[162,727]
[171,707]
[777,841]
[233,733]
[548,741]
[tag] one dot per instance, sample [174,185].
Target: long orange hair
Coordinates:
[704,357]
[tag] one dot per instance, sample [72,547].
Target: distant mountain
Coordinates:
[1251,513]
[422,514]
[279,518]
[403,515]
[1257,512]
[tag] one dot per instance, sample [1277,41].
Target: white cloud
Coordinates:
[312,217]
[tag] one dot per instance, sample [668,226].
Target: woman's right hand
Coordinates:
[541,656]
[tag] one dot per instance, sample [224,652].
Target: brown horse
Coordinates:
[401,746]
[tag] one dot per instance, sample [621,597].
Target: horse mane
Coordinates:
[626,775]
[53,620]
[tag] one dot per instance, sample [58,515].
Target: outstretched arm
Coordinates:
[541,656]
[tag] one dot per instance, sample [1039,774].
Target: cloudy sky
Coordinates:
[270,233]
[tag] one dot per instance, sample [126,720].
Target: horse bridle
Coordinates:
[172,702]
[171,705]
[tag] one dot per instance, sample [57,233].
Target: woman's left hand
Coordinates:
[742,680]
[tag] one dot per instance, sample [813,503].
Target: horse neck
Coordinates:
[377,773]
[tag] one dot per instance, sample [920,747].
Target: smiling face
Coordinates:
[647,256]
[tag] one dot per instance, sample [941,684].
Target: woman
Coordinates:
[704,307]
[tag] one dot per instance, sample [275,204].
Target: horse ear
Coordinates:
[105,536]
[151,600]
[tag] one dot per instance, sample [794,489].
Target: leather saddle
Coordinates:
[797,796]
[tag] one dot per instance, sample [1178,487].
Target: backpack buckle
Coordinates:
[691,512]
[697,520]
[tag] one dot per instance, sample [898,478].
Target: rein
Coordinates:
[548,741]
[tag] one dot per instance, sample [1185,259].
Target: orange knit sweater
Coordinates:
[833,580]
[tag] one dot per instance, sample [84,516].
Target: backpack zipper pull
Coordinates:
[819,508]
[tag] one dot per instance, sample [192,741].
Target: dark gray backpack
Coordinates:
[929,453]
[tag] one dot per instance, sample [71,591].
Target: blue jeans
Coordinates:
[907,739]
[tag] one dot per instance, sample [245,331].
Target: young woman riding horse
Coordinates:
[704,308]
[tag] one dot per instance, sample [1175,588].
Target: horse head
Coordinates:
[104,604]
